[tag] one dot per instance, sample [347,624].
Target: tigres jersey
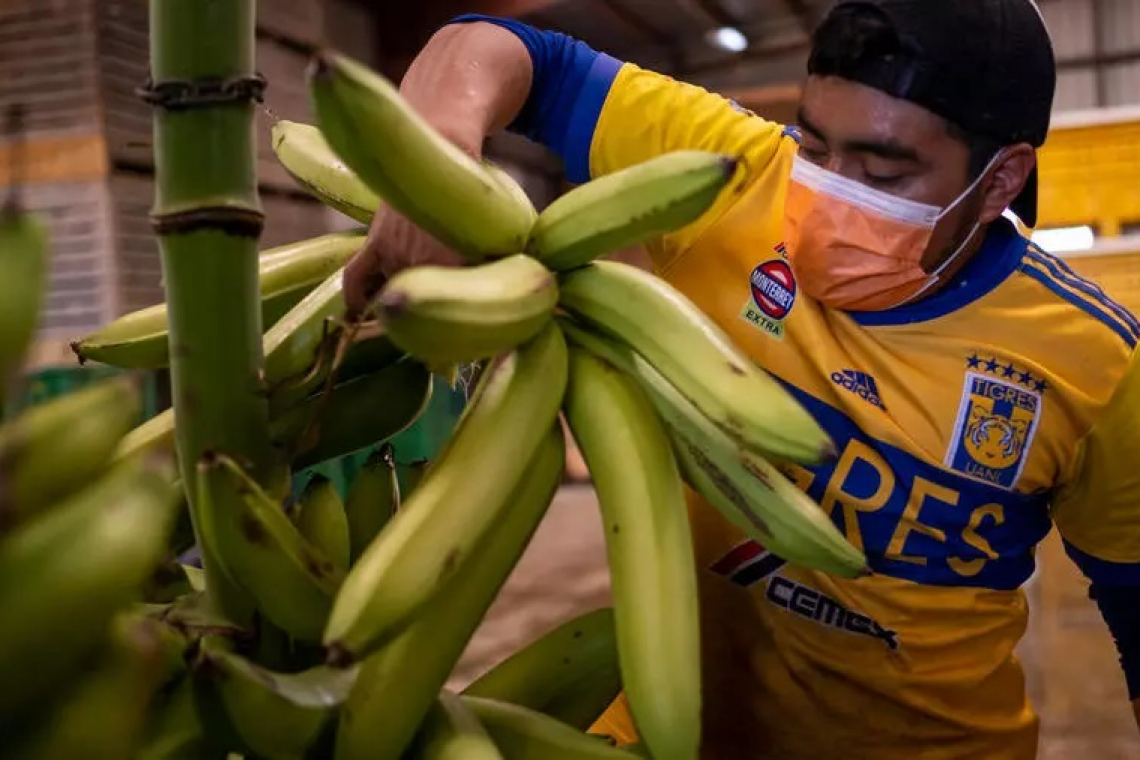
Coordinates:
[968,424]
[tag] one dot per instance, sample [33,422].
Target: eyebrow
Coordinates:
[888,149]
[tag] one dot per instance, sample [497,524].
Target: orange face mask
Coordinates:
[859,249]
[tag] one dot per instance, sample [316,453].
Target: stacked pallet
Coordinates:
[59,157]
[86,153]
[287,31]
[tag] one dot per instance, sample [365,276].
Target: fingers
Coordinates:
[363,275]
[393,244]
[362,280]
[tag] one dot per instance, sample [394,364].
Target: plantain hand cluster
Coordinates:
[364,602]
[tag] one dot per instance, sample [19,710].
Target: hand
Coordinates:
[394,243]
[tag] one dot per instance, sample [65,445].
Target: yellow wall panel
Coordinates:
[54,159]
[1091,175]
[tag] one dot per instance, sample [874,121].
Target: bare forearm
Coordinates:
[469,81]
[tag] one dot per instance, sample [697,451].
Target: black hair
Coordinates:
[857,40]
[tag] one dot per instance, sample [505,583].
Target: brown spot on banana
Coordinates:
[317,566]
[756,472]
[450,562]
[252,530]
[726,487]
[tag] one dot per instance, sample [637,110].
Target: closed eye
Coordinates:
[815,155]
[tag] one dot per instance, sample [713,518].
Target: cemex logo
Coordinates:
[861,384]
[816,606]
[748,564]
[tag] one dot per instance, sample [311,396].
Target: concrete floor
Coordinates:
[1073,674]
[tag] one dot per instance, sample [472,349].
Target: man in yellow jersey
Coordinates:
[978,390]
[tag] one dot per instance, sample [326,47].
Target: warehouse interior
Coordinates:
[88,167]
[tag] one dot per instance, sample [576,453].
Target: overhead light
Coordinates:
[728,38]
[1065,239]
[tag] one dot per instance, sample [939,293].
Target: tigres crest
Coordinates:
[997,420]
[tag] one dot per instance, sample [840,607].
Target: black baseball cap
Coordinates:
[987,66]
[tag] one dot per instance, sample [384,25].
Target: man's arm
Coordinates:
[1097,513]
[1120,606]
[469,81]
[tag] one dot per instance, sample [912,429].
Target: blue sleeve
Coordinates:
[1102,571]
[569,89]
[1120,607]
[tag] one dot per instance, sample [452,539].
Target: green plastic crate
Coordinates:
[51,382]
[422,440]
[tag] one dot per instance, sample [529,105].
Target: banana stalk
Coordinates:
[207,216]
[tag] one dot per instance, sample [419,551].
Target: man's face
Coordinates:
[890,145]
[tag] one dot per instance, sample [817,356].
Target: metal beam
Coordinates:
[1096,8]
[776,102]
[747,56]
[403,28]
[749,97]
[804,14]
[1099,61]
[634,20]
[717,12]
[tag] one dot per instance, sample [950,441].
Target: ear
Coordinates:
[1007,179]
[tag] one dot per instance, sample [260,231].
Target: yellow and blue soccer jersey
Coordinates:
[968,424]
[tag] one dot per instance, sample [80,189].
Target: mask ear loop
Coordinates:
[933,277]
[973,185]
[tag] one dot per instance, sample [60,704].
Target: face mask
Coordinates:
[859,249]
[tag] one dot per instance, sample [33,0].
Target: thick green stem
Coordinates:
[207,215]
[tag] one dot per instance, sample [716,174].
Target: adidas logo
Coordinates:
[861,384]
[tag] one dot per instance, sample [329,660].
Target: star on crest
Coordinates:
[1010,371]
